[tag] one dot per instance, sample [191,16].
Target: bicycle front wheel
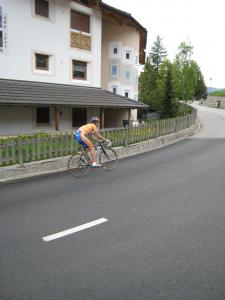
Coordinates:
[77,167]
[108,158]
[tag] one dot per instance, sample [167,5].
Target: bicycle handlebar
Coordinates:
[108,143]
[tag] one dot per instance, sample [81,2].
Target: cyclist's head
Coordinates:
[95,120]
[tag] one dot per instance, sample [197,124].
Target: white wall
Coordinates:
[14,121]
[124,38]
[22,119]
[28,33]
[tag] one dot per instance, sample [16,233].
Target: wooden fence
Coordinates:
[22,149]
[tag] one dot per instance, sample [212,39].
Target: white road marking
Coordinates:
[73,230]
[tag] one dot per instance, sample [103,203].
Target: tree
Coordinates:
[166,90]
[182,62]
[200,89]
[149,76]
[157,54]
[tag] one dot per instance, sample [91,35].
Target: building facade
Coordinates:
[82,43]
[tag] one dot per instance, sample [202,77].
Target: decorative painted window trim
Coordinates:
[136,60]
[115,45]
[127,75]
[126,93]
[115,50]
[114,89]
[86,81]
[114,70]
[51,63]
[128,55]
[50,18]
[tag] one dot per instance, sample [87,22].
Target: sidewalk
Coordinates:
[50,166]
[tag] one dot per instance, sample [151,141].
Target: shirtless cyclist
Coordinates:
[92,130]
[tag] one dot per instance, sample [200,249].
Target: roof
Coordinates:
[19,92]
[122,17]
[130,20]
[123,13]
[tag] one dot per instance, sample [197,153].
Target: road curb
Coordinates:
[48,167]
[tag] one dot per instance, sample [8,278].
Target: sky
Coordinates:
[201,22]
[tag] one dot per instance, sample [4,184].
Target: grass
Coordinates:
[218,93]
[38,146]
[41,146]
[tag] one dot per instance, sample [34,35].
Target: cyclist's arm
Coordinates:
[97,136]
[100,137]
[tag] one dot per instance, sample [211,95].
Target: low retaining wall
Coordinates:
[50,166]
[216,102]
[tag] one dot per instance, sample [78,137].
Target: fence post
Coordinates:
[71,142]
[33,148]
[1,162]
[7,153]
[13,152]
[126,136]
[38,147]
[20,150]
[176,124]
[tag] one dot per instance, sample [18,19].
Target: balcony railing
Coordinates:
[80,40]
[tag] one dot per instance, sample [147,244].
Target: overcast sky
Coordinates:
[202,22]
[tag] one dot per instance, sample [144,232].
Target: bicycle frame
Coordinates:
[85,153]
[79,168]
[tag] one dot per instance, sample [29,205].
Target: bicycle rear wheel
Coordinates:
[108,158]
[77,167]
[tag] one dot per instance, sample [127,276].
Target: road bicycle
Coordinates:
[80,165]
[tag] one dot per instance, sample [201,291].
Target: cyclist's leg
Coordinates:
[79,139]
[90,147]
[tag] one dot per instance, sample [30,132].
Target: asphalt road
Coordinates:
[163,235]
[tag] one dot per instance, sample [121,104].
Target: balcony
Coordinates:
[80,40]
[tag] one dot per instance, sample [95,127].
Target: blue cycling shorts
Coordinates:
[79,140]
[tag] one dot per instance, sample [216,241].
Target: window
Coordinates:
[79,117]
[114,70]
[1,27]
[114,89]
[41,62]
[42,115]
[128,55]
[42,8]
[136,60]
[127,94]
[1,39]
[115,50]
[80,22]
[127,74]
[79,70]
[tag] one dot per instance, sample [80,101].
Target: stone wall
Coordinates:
[216,102]
[50,166]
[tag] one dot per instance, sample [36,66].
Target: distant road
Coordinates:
[152,229]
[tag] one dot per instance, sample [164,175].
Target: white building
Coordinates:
[49,45]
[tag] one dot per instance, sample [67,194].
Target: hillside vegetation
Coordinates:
[218,93]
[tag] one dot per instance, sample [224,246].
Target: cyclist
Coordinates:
[92,130]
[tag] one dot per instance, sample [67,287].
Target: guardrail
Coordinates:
[26,148]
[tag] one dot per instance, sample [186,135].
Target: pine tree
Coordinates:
[157,54]
[167,90]
[149,76]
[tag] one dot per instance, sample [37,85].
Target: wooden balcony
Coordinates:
[80,40]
